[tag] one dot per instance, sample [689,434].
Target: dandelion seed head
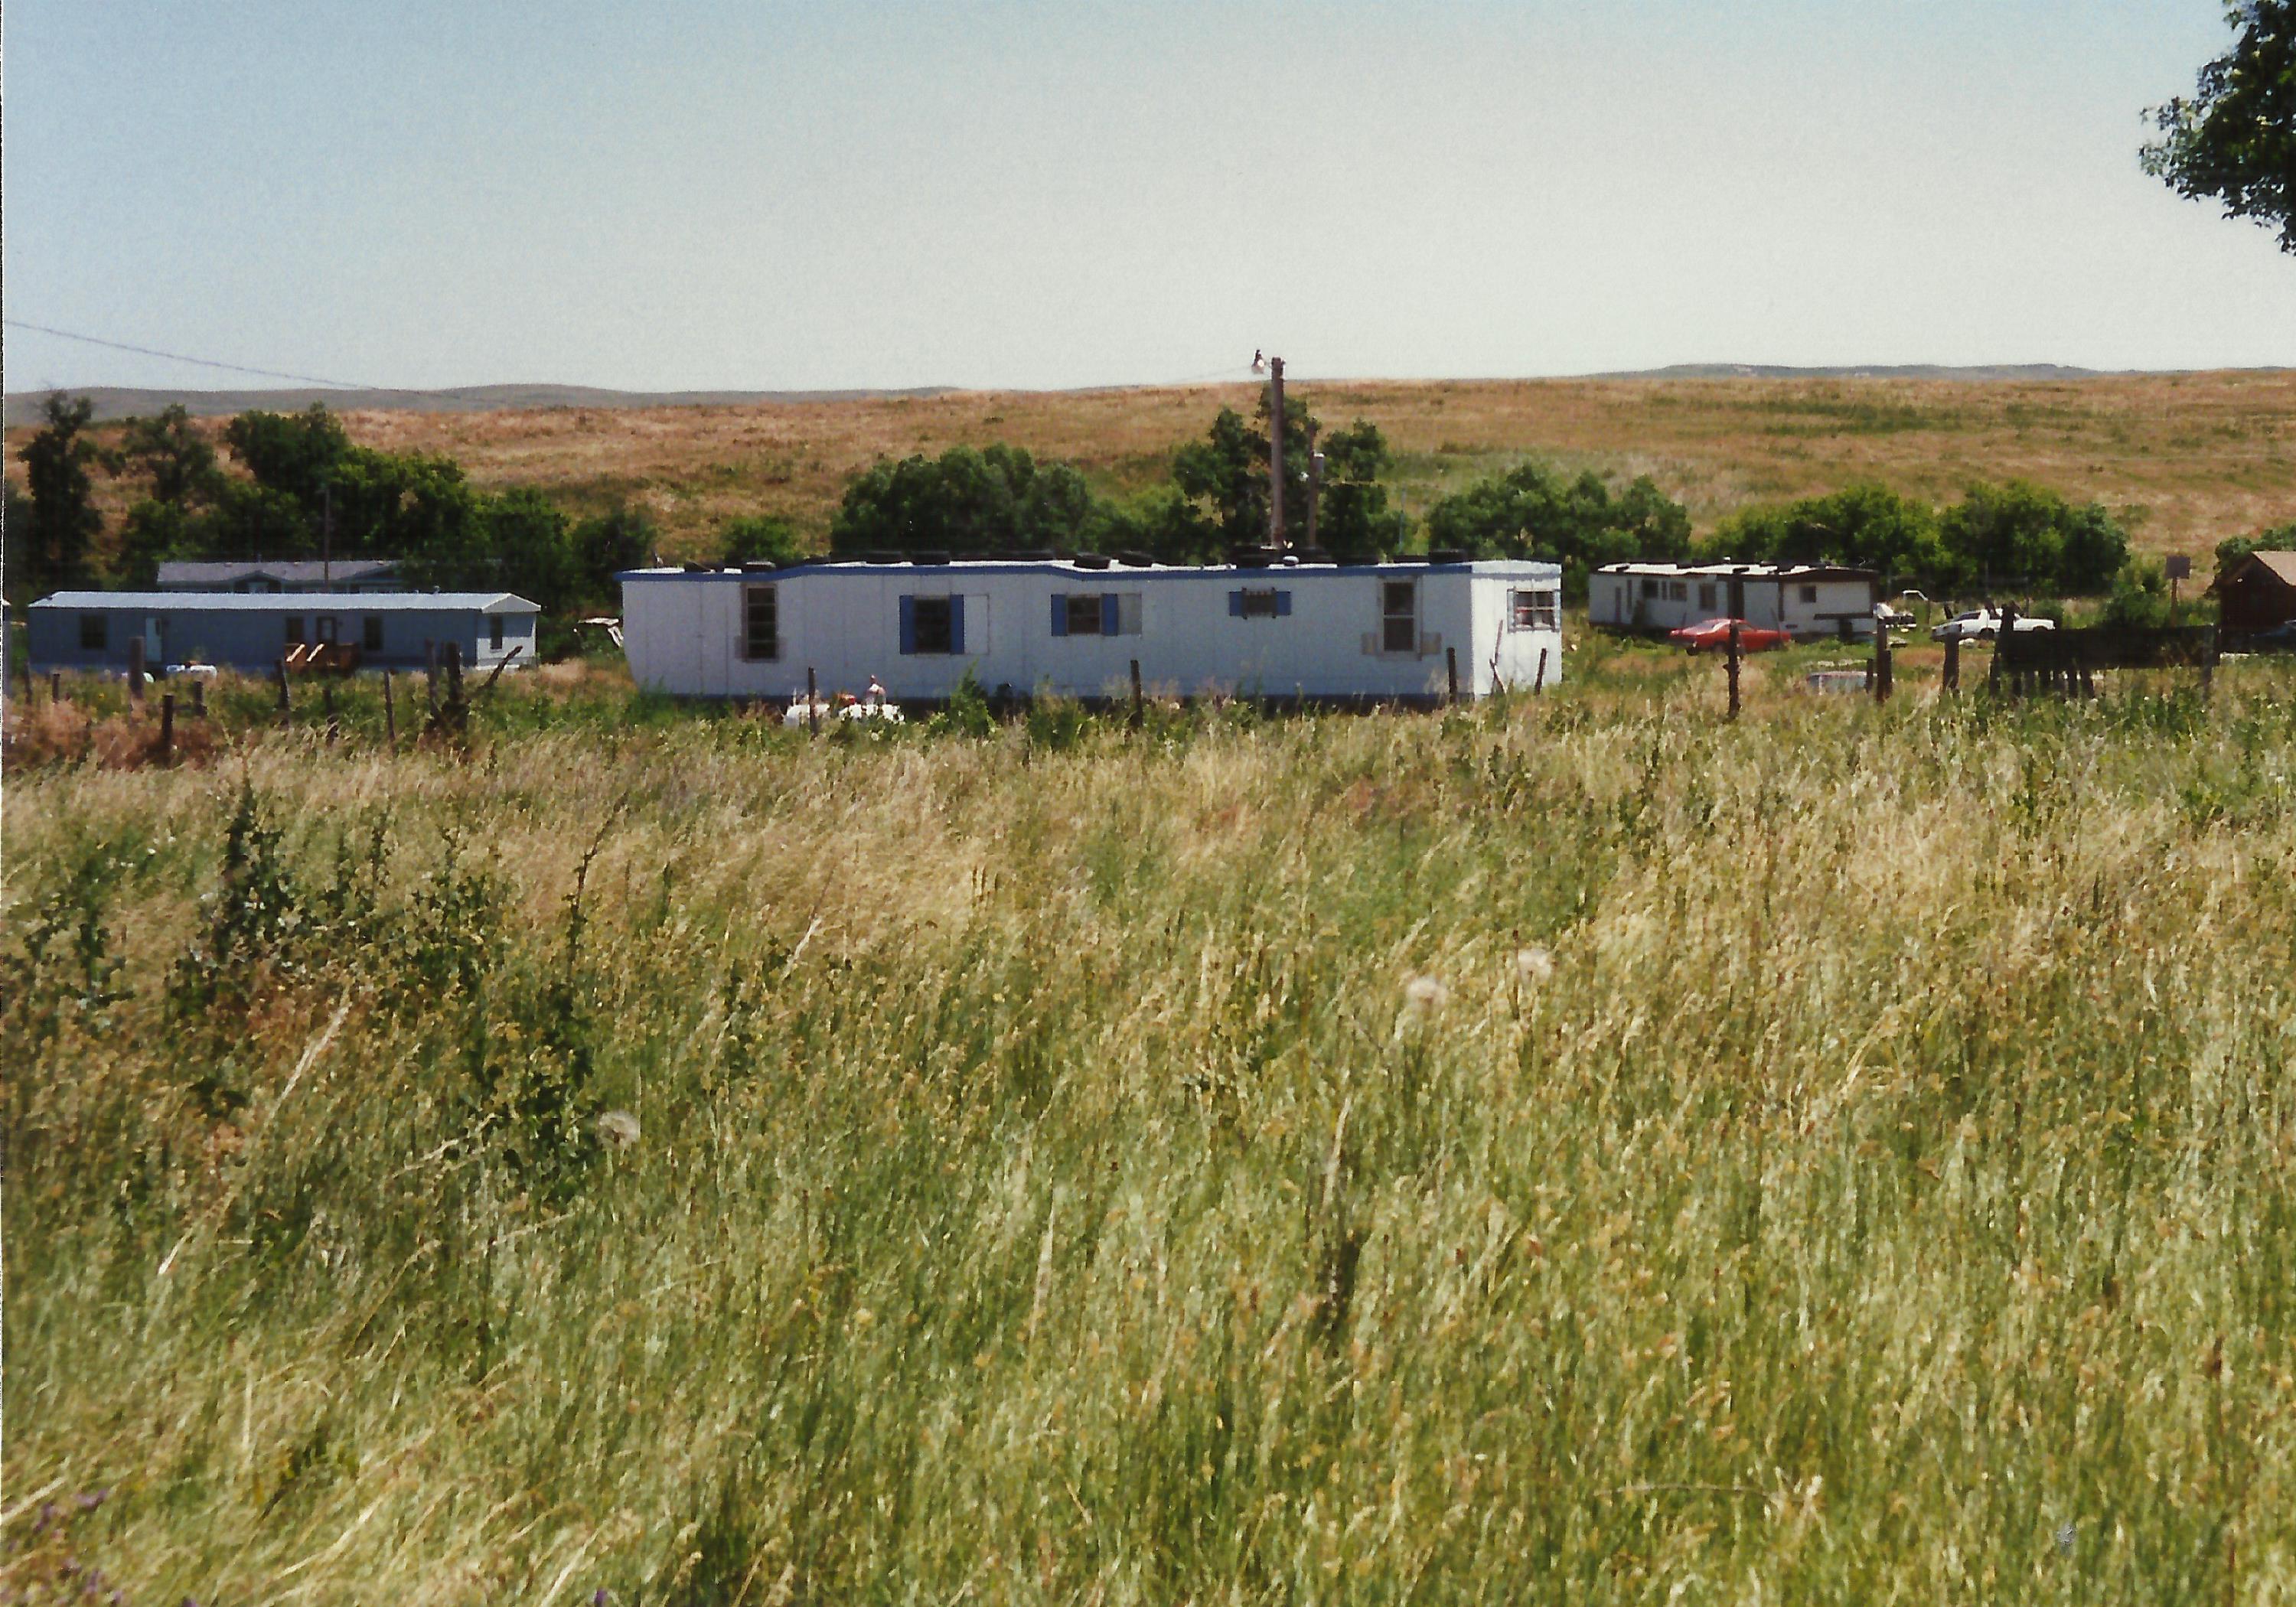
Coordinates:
[1425,995]
[1533,964]
[618,1129]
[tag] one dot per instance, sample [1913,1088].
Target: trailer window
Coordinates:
[1809,594]
[294,628]
[761,622]
[933,624]
[1531,610]
[370,633]
[1650,587]
[1085,612]
[1398,616]
[494,630]
[94,632]
[1709,594]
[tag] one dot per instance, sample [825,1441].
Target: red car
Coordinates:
[1714,635]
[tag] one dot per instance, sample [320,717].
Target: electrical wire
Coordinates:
[177,356]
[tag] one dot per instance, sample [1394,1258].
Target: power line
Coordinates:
[177,356]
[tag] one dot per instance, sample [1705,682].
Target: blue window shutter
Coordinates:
[956,626]
[1108,614]
[1283,606]
[1059,615]
[909,624]
[1235,605]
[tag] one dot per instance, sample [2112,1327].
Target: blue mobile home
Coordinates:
[252,631]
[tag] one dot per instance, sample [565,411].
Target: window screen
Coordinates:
[1531,610]
[1258,602]
[494,630]
[1707,594]
[94,632]
[370,633]
[294,630]
[1809,594]
[761,622]
[930,625]
[1398,616]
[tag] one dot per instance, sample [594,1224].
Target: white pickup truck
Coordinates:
[1982,625]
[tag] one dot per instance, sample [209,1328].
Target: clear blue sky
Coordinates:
[698,193]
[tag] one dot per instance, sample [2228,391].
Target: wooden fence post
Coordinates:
[1539,683]
[2209,665]
[458,713]
[1951,679]
[55,686]
[1733,654]
[389,712]
[286,707]
[1137,712]
[812,702]
[167,728]
[199,699]
[136,669]
[1881,662]
[1451,672]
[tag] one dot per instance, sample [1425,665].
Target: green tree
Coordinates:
[761,538]
[16,562]
[2139,594]
[1871,527]
[1162,524]
[63,522]
[154,532]
[606,546]
[2024,533]
[2234,140]
[996,499]
[1353,523]
[168,451]
[2233,549]
[531,549]
[1532,512]
[296,453]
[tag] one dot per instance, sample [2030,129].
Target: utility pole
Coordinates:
[327,536]
[1275,452]
[1314,482]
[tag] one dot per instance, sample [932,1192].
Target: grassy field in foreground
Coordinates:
[2190,458]
[1578,1150]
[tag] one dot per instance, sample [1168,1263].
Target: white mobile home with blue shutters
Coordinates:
[1342,632]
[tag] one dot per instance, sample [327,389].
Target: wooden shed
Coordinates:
[2259,593]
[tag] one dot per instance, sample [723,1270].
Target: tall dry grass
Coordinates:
[1577,1150]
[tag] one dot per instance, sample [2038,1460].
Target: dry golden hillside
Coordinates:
[2190,458]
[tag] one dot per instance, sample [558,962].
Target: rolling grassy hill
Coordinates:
[2190,458]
